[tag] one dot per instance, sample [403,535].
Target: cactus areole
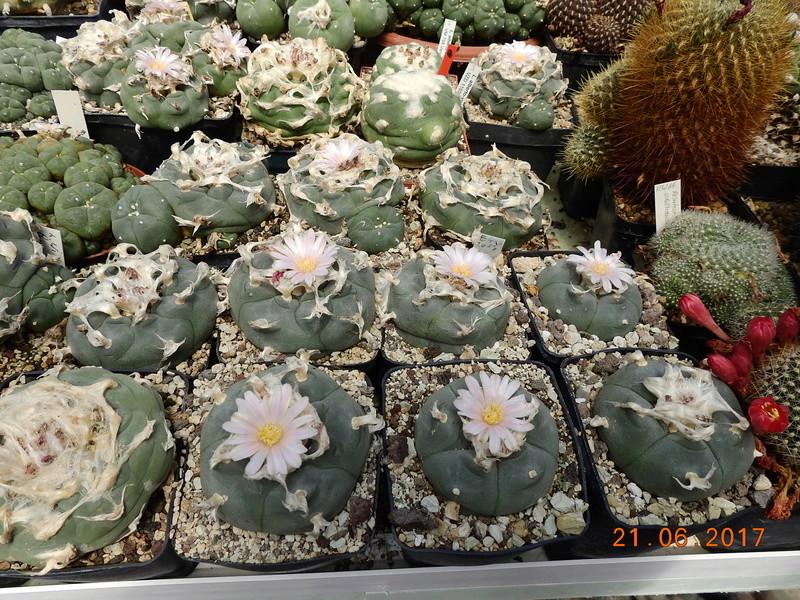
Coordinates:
[80,454]
[676,431]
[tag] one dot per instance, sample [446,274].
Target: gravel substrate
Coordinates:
[565,340]
[627,501]
[431,523]
[218,108]
[199,536]
[144,544]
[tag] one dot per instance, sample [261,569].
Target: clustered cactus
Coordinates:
[82,452]
[213,188]
[733,266]
[282,453]
[141,311]
[597,25]
[489,193]
[346,185]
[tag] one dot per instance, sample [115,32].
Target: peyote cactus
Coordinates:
[331,20]
[83,450]
[141,311]
[684,69]
[675,430]
[516,79]
[733,266]
[259,18]
[597,25]
[306,445]
[487,444]
[593,291]
[33,293]
[450,298]
[490,193]
[370,17]
[302,292]
[218,56]
[414,113]
[297,90]
[347,185]
[405,57]
[217,189]
[210,11]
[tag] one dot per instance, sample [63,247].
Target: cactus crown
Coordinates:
[602,272]
[162,69]
[226,48]
[163,11]
[97,42]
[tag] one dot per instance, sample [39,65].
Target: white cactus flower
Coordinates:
[339,154]
[492,415]
[160,63]
[227,46]
[519,52]
[602,271]
[469,266]
[305,258]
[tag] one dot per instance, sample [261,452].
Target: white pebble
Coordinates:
[496,532]
[561,502]
[762,483]
[430,503]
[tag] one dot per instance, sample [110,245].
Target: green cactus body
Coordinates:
[403,8]
[347,185]
[273,311]
[415,113]
[513,76]
[676,431]
[536,116]
[733,266]
[429,309]
[369,16]
[141,311]
[85,209]
[490,193]
[563,292]
[406,57]
[145,218]
[170,33]
[11,198]
[489,18]
[97,443]
[260,17]
[22,171]
[493,486]
[325,476]
[207,11]
[331,20]
[218,55]
[296,90]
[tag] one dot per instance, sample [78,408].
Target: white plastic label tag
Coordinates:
[489,244]
[448,31]
[52,245]
[668,202]
[467,81]
[70,110]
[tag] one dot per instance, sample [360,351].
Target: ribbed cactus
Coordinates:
[141,311]
[449,298]
[490,193]
[487,444]
[83,451]
[676,431]
[346,185]
[298,89]
[216,189]
[687,66]
[406,57]
[306,451]
[415,113]
[733,266]
[301,291]
[597,25]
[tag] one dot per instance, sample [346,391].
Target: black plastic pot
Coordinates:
[772,183]
[580,198]
[753,532]
[149,147]
[579,66]
[448,557]
[64,26]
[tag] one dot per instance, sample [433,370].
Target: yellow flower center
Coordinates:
[601,269]
[157,65]
[462,270]
[270,435]
[307,265]
[492,414]
[518,56]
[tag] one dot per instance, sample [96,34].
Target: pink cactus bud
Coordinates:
[742,359]
[760,333]
[723,368]
[692,306]
[788,326]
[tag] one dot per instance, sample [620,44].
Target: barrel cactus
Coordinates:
[347,185]
[415,113]
[283,451]
[489,193]
[487,444]
[141,311]
[675,430]
[214,188]
[598,25]
[405,57]
[594,291]
[301,291]
[517,80]
[331,20]
[450,298]
[297,90]
[83,451]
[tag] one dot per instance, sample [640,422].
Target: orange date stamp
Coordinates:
[718,537]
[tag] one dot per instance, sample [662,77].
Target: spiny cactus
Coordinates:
[306,447]
[299,291]
[346,185]
[405,57]
[83,450]
[597,25]
[733,266]
[216,188]
[141,311]
[490,193]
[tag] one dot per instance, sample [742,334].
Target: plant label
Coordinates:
[668,202]
[488,244]
[467,81]
[51,244]
[448,31]
[69,109]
